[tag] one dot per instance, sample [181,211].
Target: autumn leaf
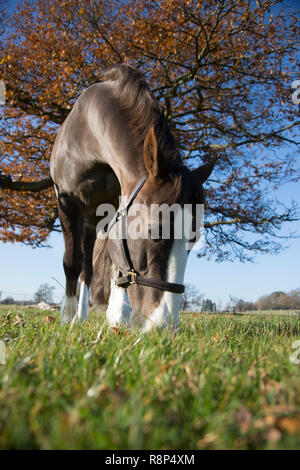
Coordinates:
[290,424]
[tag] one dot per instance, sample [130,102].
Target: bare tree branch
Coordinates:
[30,186]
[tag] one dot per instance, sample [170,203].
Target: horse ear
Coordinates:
[151,153]
[204,171]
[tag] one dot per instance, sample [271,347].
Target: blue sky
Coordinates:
[23,269]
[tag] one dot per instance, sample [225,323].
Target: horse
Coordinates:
[116,141]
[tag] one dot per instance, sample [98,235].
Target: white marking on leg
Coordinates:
[68,308]
[167,312]
[83,308]
[118,310]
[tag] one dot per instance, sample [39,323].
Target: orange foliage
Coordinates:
[220,69]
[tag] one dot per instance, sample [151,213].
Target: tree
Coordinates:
[3,16]
[280,300]
[222,71]
[191,298]
[294,296]
[8,301]
[44,294]
[208,306]
[242,306]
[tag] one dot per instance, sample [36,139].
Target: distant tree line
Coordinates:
[208,305]
[278,300]
[192,300]
[43,294]
[11,301]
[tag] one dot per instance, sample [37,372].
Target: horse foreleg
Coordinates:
[83,304]
[89,236]
[70,218]
[68,308]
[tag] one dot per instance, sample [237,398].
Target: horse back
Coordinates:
[85,149]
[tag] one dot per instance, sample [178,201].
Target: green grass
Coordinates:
[220,383]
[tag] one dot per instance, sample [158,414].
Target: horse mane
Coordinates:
[138,103]
[143,111]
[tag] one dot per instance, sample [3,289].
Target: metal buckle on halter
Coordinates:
[132,275]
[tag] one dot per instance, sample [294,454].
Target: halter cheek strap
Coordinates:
[132,276]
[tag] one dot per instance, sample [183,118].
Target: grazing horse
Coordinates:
[115,141]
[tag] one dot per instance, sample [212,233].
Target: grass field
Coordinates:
[222,382]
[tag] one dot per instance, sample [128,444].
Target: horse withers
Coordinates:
[114,142]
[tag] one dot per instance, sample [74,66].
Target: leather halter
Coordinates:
[132,276]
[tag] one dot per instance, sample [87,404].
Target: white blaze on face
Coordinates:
[167,312]
[118,310]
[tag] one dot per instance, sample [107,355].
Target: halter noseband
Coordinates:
[132,276]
